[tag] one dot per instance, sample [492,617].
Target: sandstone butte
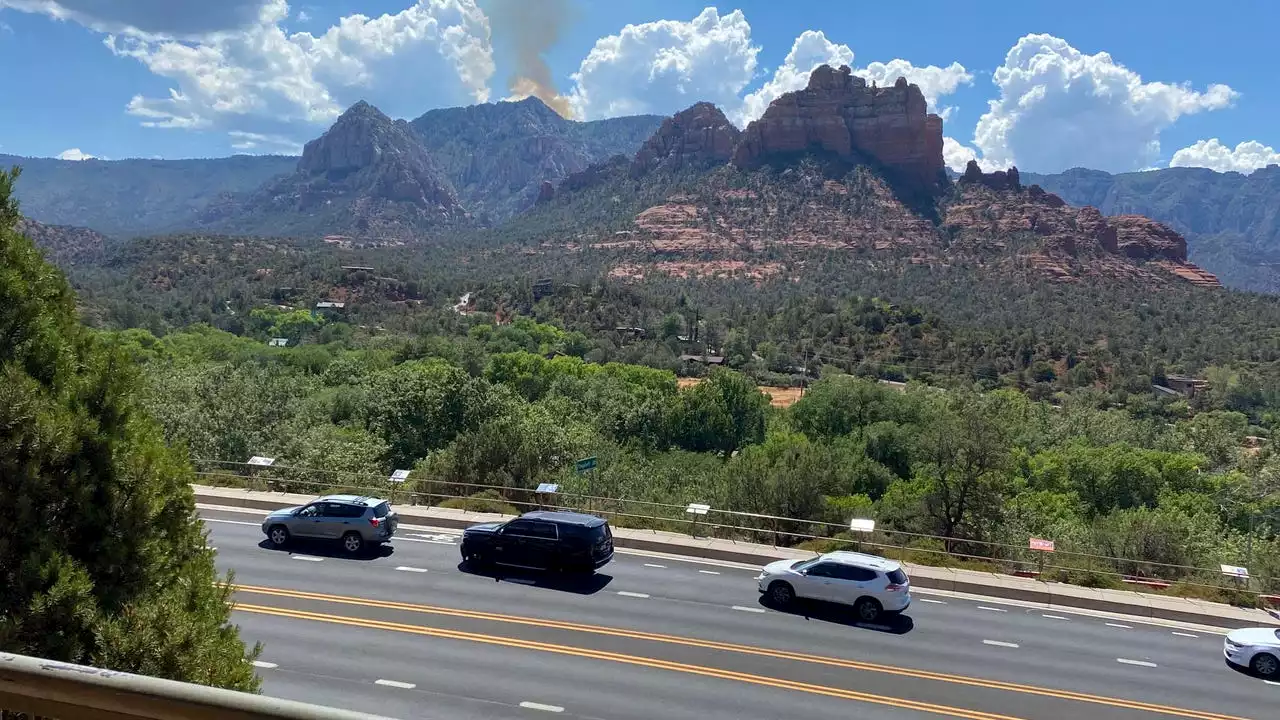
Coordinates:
[889,128]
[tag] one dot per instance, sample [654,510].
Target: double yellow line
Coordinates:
[690,642]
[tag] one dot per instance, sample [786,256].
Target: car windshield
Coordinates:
[804,564]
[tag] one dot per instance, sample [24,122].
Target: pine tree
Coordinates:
[103,560]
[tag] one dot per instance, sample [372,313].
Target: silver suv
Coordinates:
[357,521]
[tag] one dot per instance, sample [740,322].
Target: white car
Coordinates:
[872,585]
[1257,649]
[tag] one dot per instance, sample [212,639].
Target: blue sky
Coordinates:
[1115,85]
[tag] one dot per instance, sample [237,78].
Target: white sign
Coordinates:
[1040,544]
[697,509]
[548,488]
[261,461]
[399,476]
[862,525]
[1235,571]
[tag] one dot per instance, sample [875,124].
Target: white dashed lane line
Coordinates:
[652,565]
[999,643]
[1118,625]
[307,558]
[1182,634]
[931,602]
[1139,663]
[1053,617]
[708,572]
[395,684]
[747,609]
[985,607]
[264,664]
[624,593]
[406,568]
[539,706]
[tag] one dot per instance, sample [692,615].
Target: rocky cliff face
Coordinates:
[699,137]
[839,114]
[989,209]
[65,245]
[367,175]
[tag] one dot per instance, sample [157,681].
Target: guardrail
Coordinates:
[43,688]
[1063,565]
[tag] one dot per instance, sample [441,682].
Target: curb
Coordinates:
[1044,594]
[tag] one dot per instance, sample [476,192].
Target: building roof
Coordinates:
[709,359]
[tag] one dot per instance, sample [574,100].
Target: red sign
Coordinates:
[1041,545]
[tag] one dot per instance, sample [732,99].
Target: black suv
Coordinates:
[541,540]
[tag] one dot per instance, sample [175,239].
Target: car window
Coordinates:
[382,510]
[519,527]
[544,530]
[897,577]
[854,574]
[330,509]
[823,570]
[312,510]
[344,510]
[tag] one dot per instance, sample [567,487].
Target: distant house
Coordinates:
[705,360]
[356,268]
[631,333]
[1183,385]
[330,305]
[1162,392]
[278,342]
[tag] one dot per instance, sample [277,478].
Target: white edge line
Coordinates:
[406,568]
[625,593]
[1000,643]
[232,522]
[1140,663]
[747,609]
[395,684]
[264,664]
[539,706]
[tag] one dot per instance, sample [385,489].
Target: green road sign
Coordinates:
[585,464]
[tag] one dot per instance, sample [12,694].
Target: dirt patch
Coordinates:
[779,397]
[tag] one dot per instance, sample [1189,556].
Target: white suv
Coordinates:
[872,585]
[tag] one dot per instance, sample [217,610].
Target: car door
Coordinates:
[308,522]
[513,546]
[817,581]
[329,523]
[850,583]
[345,518]
[543,548]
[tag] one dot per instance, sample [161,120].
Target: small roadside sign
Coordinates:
[547,488]
[1041,545]
[1235,571]
[862,525]
[260,461]
[585,464]
[697,509]
[399,476]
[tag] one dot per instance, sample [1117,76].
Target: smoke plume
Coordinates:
[530,28]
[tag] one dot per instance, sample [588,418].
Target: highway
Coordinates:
[409,634]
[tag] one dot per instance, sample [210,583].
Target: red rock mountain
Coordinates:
[838,113]
[700,136]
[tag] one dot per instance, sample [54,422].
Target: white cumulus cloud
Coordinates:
[259,144]
[178,18]
[956,154]
[665,66]
[74,154]
[1243,158]
[267,82]
[1060,108]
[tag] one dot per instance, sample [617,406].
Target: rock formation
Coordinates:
[699,136]
[998,180]
[839,114]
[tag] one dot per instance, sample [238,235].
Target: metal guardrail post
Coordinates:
[47,688]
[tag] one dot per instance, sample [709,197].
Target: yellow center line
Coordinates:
[742,649]
[632,660]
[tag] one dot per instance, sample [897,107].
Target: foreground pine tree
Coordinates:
[102,558]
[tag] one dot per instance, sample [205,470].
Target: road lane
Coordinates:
[1076,654]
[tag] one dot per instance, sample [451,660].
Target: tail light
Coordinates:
[375,521]
[893,587]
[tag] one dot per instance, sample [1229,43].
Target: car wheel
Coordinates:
[278,535]
[781,593]
[867,609]
[1265,665]
[352,542]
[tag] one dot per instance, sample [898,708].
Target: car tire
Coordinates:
[352,543]
[278,535]
[1265,665]
[781,593]
[868,609]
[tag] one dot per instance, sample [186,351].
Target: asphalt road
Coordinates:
[407,633]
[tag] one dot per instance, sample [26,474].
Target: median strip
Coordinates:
[715,645]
